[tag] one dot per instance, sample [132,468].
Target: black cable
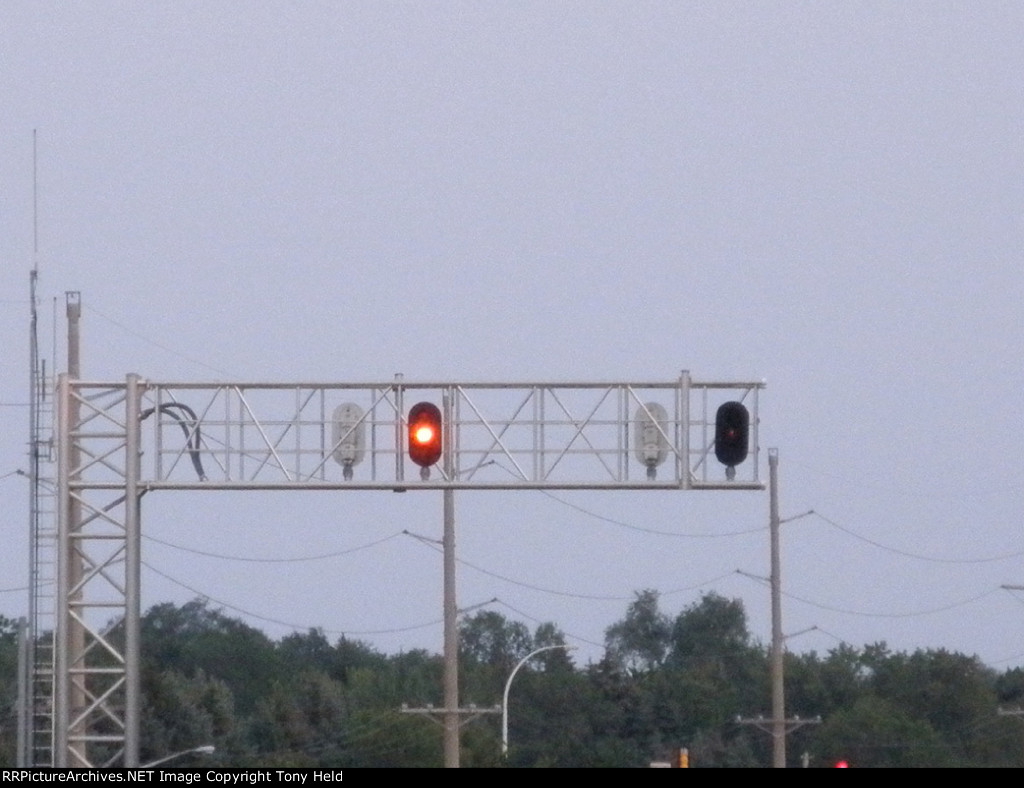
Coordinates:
[190,428]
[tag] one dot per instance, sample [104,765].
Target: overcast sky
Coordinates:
[829,196]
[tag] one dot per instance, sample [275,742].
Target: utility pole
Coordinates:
[778,726]
[778,685]
[451,612]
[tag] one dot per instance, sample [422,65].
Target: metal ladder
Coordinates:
[43,574]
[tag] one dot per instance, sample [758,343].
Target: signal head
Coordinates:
[732,433]
[425,434]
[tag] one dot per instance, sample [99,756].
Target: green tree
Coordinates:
[488,638]
[875,732]
[180,712]
[663,683]
[713,673]
[489,647]
[821,686]
[312,651]
[710,639]
[556,659]
[639,642]
[194,637]
[954,693]
[8,691]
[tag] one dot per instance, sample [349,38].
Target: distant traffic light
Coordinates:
[425,435]
[732,435]
[842,765]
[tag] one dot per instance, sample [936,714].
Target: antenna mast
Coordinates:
[35,722]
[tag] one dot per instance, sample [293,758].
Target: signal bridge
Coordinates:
[118,441]
[619,435]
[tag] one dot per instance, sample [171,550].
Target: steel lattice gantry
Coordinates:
[117,441]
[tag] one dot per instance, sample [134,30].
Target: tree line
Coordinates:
[664,682]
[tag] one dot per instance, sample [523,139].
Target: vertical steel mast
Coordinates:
[26,715]
[36,715]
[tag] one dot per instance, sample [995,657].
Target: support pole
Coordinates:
[451,638]
[778,726]
[451,633]
[778,693]
[75,565]
[133,563]
[61,677]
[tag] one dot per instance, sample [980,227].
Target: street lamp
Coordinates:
[205,749]
[508,685]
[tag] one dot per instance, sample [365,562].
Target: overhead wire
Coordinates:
[290,624]
[153,342]
[865,614]
[631,526]
[916,556]
[652,531]
[462,562]
[847,478]
[555,592]
[296,559]
[832,635]
[536,620]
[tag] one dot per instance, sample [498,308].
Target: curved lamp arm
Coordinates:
[508,686]
[206,749]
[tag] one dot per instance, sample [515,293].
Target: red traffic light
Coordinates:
[842,765]
[425,434]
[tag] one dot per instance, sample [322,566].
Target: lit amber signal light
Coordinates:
[425,434]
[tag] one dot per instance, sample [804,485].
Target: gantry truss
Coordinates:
[117,441]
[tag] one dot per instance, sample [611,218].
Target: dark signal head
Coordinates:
[732,433]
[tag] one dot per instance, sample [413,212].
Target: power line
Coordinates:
[848,479]
[536,620]
[297,559]
[916,556]
[289,624]
[631,526]
[653,531]
[154,343]
[556,592]
[914,614]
